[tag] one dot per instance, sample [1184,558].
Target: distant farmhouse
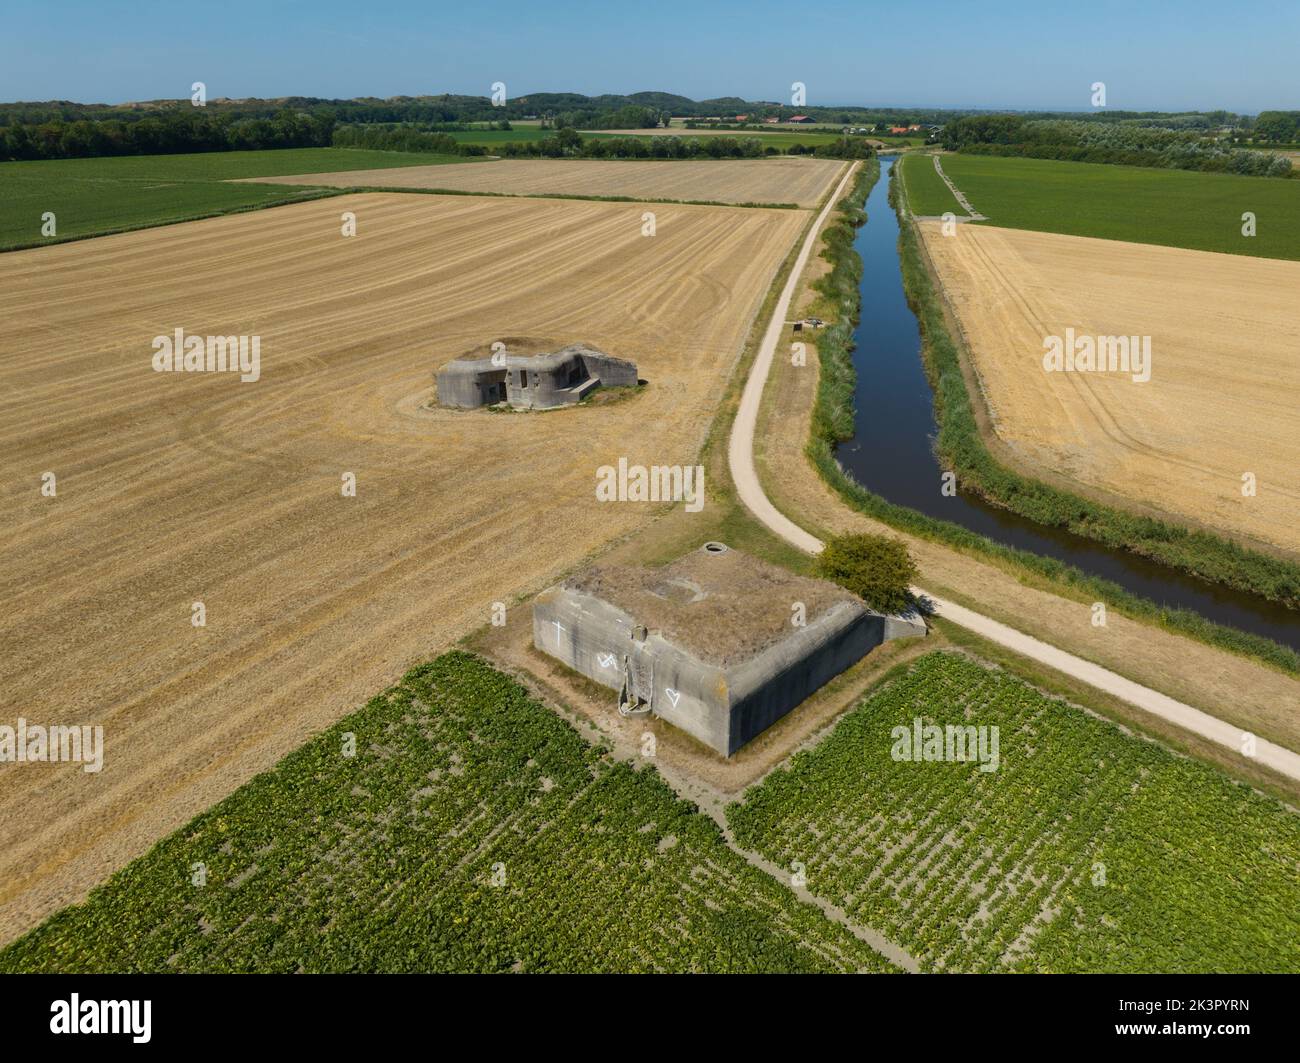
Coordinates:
[531,382]
[799,118]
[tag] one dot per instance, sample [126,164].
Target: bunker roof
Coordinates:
[474,362]
[720,605]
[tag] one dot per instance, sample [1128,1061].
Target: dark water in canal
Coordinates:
[892,451]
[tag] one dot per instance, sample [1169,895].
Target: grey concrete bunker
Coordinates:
[717,643]
[531,381]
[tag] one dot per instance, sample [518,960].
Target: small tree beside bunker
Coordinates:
[877,568]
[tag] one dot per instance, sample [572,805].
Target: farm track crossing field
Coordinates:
[927,194]
[473,830]
[1177,208]
[1225,376]
[176,488]
[777,180]
[89,197]
[1087,850]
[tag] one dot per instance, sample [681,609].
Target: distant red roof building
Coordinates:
[798,118]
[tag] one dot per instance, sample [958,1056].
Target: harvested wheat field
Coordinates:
[1225,369]
[176,488]
[783,180]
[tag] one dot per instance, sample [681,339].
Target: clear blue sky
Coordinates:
[1152,54]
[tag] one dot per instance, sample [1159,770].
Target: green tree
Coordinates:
[877,568]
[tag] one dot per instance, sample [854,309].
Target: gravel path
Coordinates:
[741,459]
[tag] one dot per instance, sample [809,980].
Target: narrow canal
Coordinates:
[892,451]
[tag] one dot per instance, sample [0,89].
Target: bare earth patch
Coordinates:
[1225,375]
[176,488]
[782,180]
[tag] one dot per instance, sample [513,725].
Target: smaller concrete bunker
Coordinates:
[717,643]
[531,381]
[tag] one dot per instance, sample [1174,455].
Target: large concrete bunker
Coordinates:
[531,381]
[717,643]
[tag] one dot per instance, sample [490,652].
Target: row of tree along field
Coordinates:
[569,143]
[167,133]
[610,111]
[1128,144]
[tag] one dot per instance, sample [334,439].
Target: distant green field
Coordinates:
[926,191]
[1087,849]
[494,137]
[469,829]
[1176,208]
[95,196]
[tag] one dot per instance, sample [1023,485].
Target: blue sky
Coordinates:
[1151,55]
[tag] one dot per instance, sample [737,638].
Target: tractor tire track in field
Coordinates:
[1225,347]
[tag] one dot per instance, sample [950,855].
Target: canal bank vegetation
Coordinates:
[832,422]
[1202,554]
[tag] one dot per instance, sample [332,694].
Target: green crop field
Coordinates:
[927,193]
[472,829]
[1177,208]
[95,196]
[1087,850]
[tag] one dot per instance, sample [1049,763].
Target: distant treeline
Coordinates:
[614,111]
[569,143]
[63,129]
[402,138]
[660,147]
[639,110]
[1278,127]
[1123,144]
[168,133]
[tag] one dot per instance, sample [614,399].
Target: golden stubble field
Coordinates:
[779,180]
[177,488]
[1225,369]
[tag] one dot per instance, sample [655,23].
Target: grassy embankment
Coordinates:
[959,440]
